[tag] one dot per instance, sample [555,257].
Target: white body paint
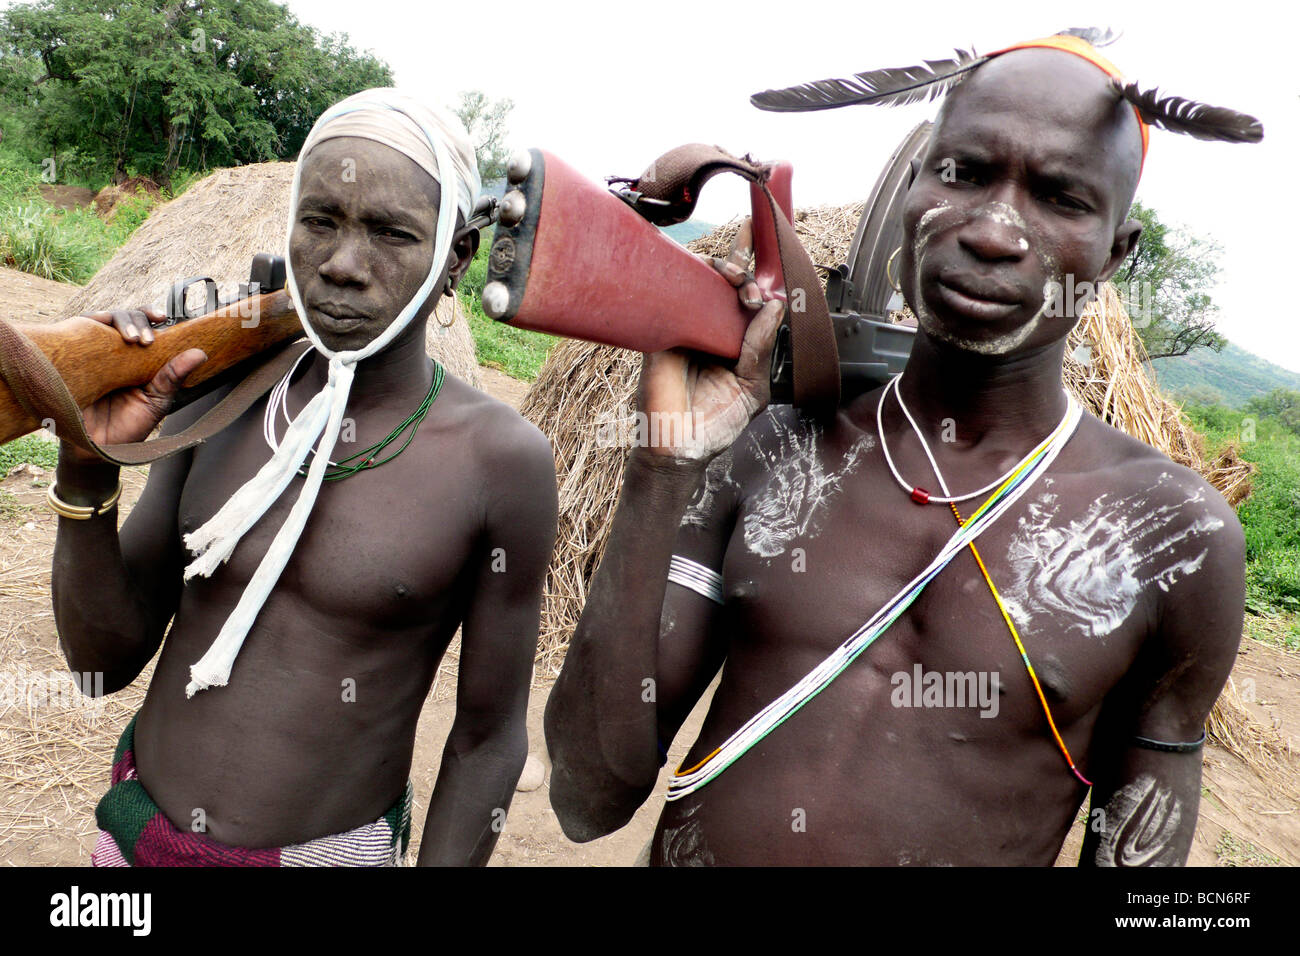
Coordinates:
[1087,574]
[798,490]
[1140,825]
[684,845]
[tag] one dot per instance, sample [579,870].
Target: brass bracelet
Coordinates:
[80,512]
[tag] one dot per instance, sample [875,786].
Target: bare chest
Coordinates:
[1072,574]
[385,546]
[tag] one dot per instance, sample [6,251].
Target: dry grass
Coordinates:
[1114,385]
[825,231]
[214,229]
[583,386]
[55,744]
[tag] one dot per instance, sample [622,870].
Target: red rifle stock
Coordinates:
[571,258]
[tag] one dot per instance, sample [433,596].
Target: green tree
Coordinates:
[1198,395]
[485,120]
[1163,286]
[1282,404]
[149,86]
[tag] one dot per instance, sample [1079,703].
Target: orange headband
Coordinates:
[1082,48]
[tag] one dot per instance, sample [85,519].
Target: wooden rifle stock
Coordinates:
[94,359]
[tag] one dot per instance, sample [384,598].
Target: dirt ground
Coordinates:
[54,764]
[28,298]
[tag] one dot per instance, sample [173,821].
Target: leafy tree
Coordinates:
[485,120]
[152,85]
[1282,404]
[1164,287]
[1198,395]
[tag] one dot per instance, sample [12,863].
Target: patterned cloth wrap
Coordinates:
[134,832]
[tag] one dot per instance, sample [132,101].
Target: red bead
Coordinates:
[920,496]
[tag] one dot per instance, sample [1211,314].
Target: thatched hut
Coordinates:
[583,388]
[214,229]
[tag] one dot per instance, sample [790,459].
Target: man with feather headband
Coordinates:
[1079,643]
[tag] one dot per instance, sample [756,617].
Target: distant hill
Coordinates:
[1234,373]
[684,232]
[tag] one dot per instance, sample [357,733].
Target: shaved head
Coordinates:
[1071,92]
[1024,191]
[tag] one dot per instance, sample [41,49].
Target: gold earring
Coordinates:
[451,309]
[889,277]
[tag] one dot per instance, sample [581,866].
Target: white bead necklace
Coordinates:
[917,493]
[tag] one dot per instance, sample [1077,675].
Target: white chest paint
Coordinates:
[1086,574]
[798,490]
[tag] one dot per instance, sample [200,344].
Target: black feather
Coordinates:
[1096,36]
[890,87]
[1187,116]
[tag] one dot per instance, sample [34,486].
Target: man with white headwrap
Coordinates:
[313,594]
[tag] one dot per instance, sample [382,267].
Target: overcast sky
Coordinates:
[609,86]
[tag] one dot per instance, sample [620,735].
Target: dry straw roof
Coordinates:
[584,386]
[214,229]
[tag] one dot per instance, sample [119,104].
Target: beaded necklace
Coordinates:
[688,780]
[917,493]
[1015,635]
[364,459]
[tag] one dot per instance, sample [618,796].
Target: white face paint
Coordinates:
[931,221]
[1005,214]
[1087,574]
[1140,824]
[798,488]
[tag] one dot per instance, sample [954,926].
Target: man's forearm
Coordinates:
[101,622]
[467,811]
[602,719]
[1151,819]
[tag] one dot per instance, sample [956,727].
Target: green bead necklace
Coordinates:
[365,459]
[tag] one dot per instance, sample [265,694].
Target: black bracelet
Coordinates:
[1169,748]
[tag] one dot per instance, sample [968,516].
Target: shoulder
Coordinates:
[500,436]
[781,440]
[508,456]
[1130,468]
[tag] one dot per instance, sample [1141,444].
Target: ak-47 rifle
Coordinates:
[93,359]
[573,258]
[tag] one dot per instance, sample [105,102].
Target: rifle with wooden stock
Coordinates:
[574,258]
[50,371]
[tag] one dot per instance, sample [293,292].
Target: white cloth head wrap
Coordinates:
[437,141]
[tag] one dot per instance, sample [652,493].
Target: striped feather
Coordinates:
[1180,115]
[895,86]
